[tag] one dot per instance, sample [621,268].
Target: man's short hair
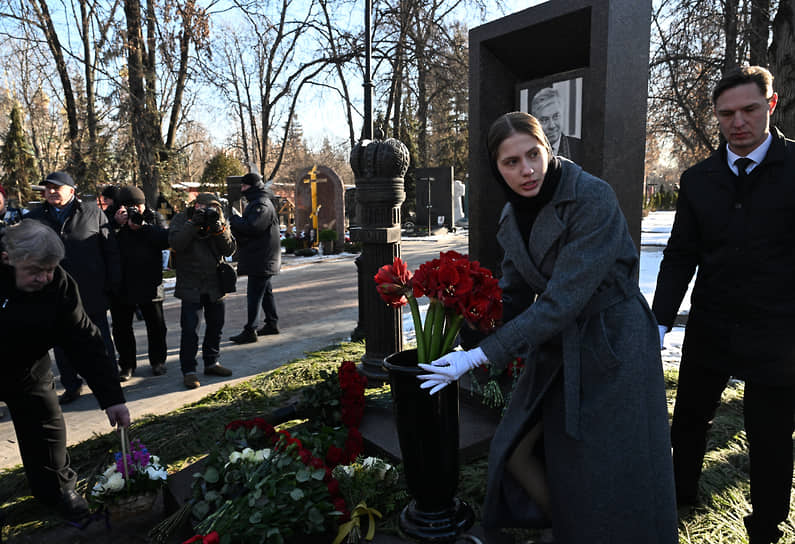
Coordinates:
[31,240]
[741,75]
[543,97]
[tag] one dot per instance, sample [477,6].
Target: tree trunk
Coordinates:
[730,29]
[759,32]
[145,121]
[782,62]
[76,162]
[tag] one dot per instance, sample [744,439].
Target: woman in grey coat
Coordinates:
[583,446]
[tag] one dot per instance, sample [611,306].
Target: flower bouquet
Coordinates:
[130,485]
[459,290]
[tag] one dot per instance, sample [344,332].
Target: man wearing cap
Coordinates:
[92,259]
[142,236]
[260,256]
[40,308]
[200,238]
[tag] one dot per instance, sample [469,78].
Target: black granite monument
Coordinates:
[594,53]
[434,197]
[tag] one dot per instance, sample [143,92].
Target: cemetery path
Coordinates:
[317,304]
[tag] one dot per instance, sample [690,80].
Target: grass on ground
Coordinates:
[185,435]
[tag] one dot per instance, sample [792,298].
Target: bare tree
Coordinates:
[782,60]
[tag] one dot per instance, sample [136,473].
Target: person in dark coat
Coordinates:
[260,256]
[142,237]
[40,308]
[92,259]
[109,201]
[734,222]
[583,444]
[200,238]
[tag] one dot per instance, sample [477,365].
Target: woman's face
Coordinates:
[523,160]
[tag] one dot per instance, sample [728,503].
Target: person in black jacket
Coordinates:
[734,222]
[92,259]
[141,236]
[40,308]
[260,256]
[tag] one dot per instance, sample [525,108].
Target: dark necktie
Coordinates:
[742,177]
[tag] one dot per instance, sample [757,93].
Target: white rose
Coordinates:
[115,482]
[110,471]
[347,470]
[156,473]
[261,455]
[248,454]
[154,460]
[370,462]
[234,457]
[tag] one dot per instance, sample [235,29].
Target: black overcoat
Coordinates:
[605,420]
[142,261]
[92,254]
[743,306]
[257,235]
[32,323]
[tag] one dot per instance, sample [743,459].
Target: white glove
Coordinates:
[663,329]
[449,368]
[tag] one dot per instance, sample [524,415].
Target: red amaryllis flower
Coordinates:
[334,455]
[459,290]
[393,282]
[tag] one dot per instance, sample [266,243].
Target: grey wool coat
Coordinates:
[605,422]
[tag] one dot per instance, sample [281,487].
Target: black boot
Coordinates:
[248,336]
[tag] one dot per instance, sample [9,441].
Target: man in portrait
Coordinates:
[547,107]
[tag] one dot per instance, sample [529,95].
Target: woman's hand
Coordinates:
[449,368]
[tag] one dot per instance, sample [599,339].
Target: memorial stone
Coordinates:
[434,188]
[330,201]
[603,88]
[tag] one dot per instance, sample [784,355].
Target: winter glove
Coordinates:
[449,368]
[663,329]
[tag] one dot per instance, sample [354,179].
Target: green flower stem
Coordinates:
[453,326]
[422,352]
[428,329]
[438,330]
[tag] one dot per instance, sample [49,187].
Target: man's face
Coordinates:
[31,276]
[58,195]
[549,117]
[105,202]
[743,114]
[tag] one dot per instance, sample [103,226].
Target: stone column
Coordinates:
[378,167]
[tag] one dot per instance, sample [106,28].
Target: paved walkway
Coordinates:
[318,306]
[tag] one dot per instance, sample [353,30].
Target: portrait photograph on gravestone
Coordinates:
[557,104]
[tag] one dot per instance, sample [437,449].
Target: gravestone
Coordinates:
[330,195]
[459,191]
[596,59]
[434,188]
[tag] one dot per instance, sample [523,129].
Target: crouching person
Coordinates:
[200,238]
[40,308]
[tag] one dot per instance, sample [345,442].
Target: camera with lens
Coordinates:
[134,216]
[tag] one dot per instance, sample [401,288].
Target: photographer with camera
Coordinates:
[200,238]
[142,236]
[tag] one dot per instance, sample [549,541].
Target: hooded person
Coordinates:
[200,238]
[259,256]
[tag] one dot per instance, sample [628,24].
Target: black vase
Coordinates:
[427,427]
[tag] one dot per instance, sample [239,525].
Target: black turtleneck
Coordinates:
[527,208]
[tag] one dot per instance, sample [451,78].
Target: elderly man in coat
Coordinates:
[40,308]
[200,238]
[260,256]
[92,258]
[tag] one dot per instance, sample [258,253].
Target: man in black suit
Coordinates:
[734,220]
[548,109]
